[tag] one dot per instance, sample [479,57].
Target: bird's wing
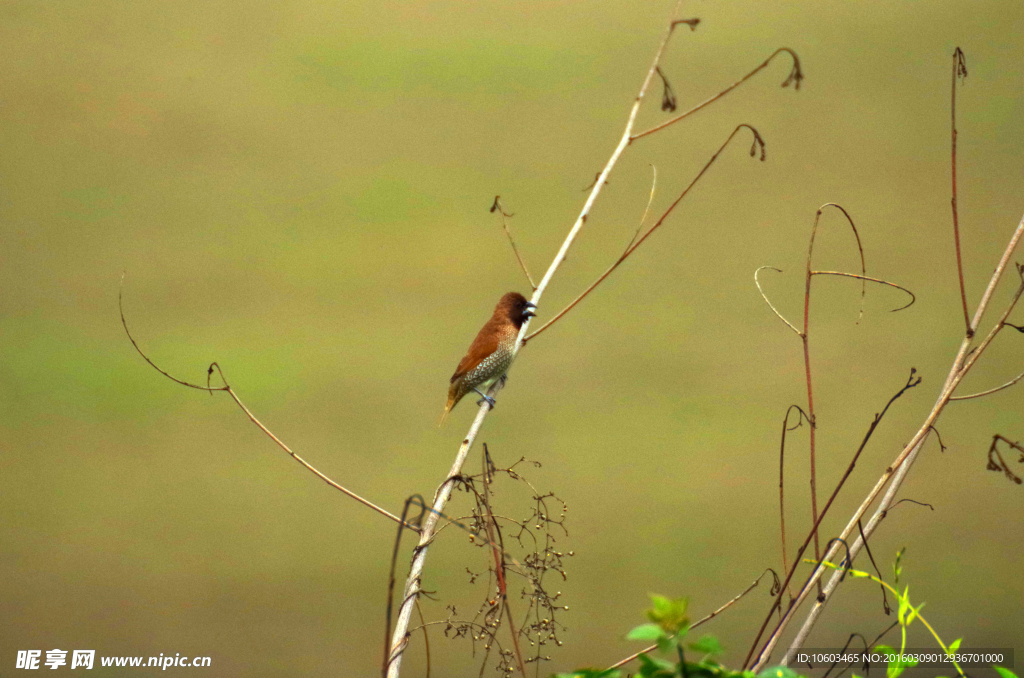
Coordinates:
[485,344]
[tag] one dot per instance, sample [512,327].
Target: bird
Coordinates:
[490,355]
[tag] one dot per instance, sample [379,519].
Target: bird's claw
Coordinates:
[484,398]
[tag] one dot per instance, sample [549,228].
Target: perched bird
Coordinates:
[490,354]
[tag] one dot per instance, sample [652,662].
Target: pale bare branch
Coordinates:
[770,304]
[412,585]
[991,390]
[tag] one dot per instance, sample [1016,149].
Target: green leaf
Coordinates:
[669,614]
[1004,672]
[954,646]
[661,603]
[648,633]
[707,645]
[859,573]
[591,673]
[904,603]
[652,667]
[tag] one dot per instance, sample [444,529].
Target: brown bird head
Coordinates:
[516,308]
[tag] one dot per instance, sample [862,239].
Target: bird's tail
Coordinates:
[447,409]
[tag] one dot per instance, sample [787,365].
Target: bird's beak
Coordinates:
[528,313]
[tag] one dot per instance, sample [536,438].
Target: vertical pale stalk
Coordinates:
[412,583]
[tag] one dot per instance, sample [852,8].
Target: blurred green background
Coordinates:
[299,191]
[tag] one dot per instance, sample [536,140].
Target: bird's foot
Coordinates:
[484,398]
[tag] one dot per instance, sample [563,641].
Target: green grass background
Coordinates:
[299,191]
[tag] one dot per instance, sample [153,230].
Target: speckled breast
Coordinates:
[494,365]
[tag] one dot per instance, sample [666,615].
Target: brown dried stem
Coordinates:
[635,243]
[498,550]
[897,471]
[1001,464]
[782,465]
[795,76]
[912,381]
[496,207]
[804,337]
[230,391]
[959,70]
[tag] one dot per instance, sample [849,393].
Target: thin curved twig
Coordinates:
[914,501]
[647,209]
[795,76]
[757,143]
[991,390]
[802,416]
[227,389]
[885,599]
[865,278]
[860,251]
[770,304]
[496,207]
